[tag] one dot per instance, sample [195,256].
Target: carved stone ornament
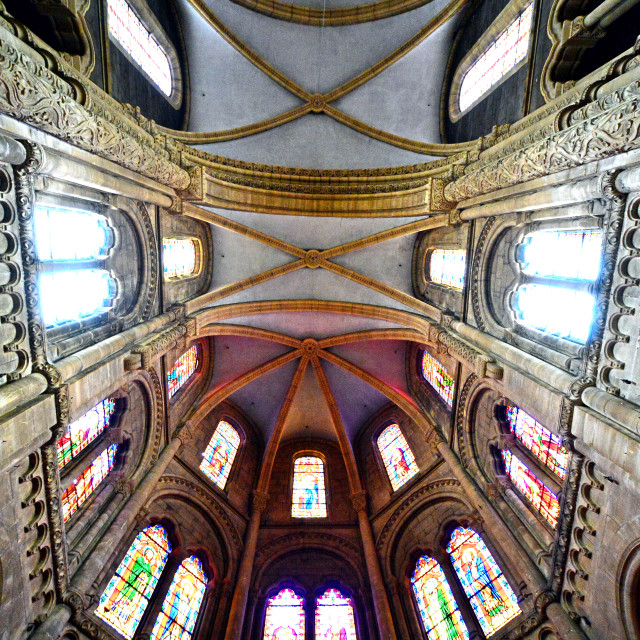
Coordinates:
[359,501]
[260,501]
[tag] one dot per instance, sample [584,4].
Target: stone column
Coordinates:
[564,625]
[401,622]
[241,592]
[378,590]
[221,610]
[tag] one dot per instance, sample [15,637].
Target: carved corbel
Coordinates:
[154,347]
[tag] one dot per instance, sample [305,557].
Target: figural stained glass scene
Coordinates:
[439,613]
[125,599]
[218,457]
[284,617]
[438,377]
[182,370]
[334,617]
[397,456]
[309,499]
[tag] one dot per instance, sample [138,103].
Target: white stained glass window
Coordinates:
[504,53]
[447,267]
[179,257]
[127,29]
[71,295]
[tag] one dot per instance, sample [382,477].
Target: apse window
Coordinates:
[128,31]
[334,616]
[438,377]
[179,257]
[397,456]
[501,57]
[183,370]
[220,453]
[309,500]
[560,270]
[447,267]
[72,246]
[284,617]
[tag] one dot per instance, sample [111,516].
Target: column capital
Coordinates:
[359,501]
[260,500]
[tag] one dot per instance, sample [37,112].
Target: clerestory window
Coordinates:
[397,456]
[437,376]
[179,257]
[220,453]
[447,267]
[309,498]
[184,368]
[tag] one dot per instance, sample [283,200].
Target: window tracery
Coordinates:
[439,612]
[182,603]
[179,257]
[493,601]
[123,602]
[284,616]
[335,616]
[397,456]
[184,368]
[447,267]
[220,453]
[309,499]
[438,377]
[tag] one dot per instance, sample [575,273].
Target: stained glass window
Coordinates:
[125,599]
[447,266]
[217,459]
[127,29]
[182,370]
[492,599]
[284,619]
[546,446]
[179,257]
[334,617]
[397,456]
[181,605]
[85,484]
[439,611]
[438,377]
[308,488]
[502,55]
[538,494]
[84,430]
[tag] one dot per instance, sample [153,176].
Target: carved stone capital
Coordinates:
[359,501]
[260,500]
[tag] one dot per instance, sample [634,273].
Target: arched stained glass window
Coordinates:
[182,370]
[538,494]
[85,484]
[125,599]
[492,599]
[438,377]
[335,617]
[284,618]
[546,446]
[127,29]
[504,54]
[179,257]
[397,456]
[218,457]
[84,430]
[309,500]
[181,605]
[439,611]
[447,267]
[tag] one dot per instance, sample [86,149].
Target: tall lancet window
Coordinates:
[492,599]
[218,457]
[182,603]
[284,617]
[447,267]
[185,366]
[439,611]
[335,617]
[309,500]
[127,595]
[397,456]
[438,377]
[72,246]
[559,272]
[179,257]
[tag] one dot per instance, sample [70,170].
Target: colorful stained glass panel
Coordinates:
[84,430]
[397,456]
[546,446]
[284,618]
[218,457]
[537,493]
[126,597]
[438,377]
[334,617]
[85,484]
[179,257]
[439,611]
[492,599]
[309,499]
[127,29]
[182,370]
[181,605]
[447,267]
[504,53]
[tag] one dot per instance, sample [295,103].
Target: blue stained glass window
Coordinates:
[309,499]
[220,453]
[397,456]
[447,267]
